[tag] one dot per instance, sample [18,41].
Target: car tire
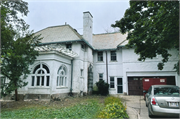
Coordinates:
[149,113]
[146,103]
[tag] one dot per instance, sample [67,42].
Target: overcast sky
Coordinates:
[45,13]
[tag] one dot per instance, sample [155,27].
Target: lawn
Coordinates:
[72,107]
[77,108]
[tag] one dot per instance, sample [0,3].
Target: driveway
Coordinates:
[136,107]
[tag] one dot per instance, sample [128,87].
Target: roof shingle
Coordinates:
[58,34]
[108,41]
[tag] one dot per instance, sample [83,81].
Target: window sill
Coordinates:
[61,87]
[113,61]
[112,89]
[39,87]
[100,62]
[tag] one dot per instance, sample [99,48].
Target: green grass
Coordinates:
[88,109]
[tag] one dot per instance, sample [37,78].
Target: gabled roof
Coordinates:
[62,33]
[65,33]
[108,41]
[122,44]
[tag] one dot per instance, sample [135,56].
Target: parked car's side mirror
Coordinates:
[144,91]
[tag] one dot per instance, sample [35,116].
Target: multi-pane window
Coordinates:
[111,82]
[62,76]
[100,56]
[41,76]
[100,77]
[69,46]
[113,55]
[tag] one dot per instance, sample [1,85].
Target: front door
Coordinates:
[119,85]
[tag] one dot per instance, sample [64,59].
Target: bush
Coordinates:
[103,87]
[111,99]
[95,89]
[114,108]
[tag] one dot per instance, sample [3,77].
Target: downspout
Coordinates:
[71,77]
[106,67]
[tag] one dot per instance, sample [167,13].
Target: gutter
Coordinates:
[105,49]
[106,67]
[71,77]
[67,42]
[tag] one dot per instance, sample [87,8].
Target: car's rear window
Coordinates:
[166,91]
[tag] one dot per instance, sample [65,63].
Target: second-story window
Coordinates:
[113,55]
[69,46]
[100,56]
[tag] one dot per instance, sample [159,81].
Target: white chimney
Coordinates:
[87,26]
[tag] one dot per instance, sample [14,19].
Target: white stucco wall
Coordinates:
[81,62]
[133,67]
[127,64]
[115,68]
[53,61]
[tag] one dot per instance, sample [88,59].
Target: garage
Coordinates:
[135,85]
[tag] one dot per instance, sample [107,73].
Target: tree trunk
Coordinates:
[16,95]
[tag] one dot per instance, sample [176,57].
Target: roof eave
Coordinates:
[70,41]
[105,49]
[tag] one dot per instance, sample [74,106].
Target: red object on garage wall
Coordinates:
[147,82]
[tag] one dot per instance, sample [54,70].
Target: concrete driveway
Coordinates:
[136,107]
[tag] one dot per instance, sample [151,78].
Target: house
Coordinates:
[73,63]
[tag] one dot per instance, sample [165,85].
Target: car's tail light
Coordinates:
[153,101]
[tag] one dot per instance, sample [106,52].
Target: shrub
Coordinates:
[103,87]
[95,89]
[114,108]
[111,99]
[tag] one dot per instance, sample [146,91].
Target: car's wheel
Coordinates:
[149,112]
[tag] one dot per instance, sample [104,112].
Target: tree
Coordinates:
[153,29]
[17,46]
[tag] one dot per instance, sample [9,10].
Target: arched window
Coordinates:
[41,76]
[62,76]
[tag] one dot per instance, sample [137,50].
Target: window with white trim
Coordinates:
[113,55]
[40,76]
[62,76]
[111,82]
[100,76]
[83,47]
[100,56]
[69,46]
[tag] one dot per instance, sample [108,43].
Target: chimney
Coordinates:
[87,26]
